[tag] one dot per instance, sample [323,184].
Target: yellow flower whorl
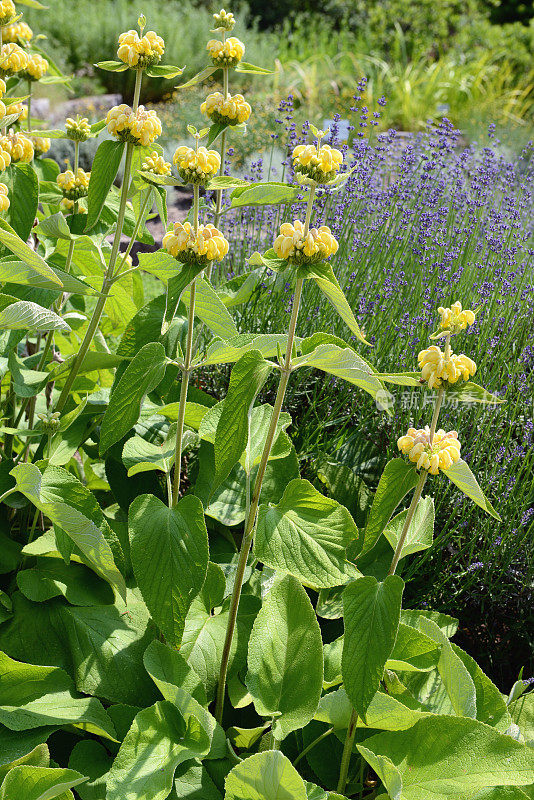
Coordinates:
[232,111]
[36,68]
[17,32]
[5,157]
[441,454]
[454,319]
[156,164]
[141,127]
[20,109]
[72,206]
[19,147]
[196,166]
[207,244]
[321,165]
[140,52]
[78,129]
[436,368]
[226,54]
[4,199]
[73,185]
[41,145]
[7,11]
[224,19]
[296,248]
[13,59]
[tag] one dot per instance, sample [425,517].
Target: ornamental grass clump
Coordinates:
[166,573]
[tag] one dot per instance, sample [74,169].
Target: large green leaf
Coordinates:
[453,672]
[522,712]
[21,273]
[39,783]
[327,282]
[472,393]
[141,376]
[264,194]
[91,759]
[13,242]
[225,352]
[192,782]
[103,172]
[32,696]
[205,629]
[420,531]
[491,705]
[285,645]
[384,712]
[447,757]
[169,552]
[231,437]
[343,363]
[27,316]
[211,310]
[38,757]
[461,475]
[23,188]
[371,612]
[74,509]
[101,647]
[51,577]
[395,482]
[23,747]
[265,776]
[157,742]
[414,651]
[306,535]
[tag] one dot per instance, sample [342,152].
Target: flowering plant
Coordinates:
[147,652]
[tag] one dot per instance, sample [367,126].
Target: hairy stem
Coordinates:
[251,517]
[407,522]
[312,745]
[347,752]
[28,123]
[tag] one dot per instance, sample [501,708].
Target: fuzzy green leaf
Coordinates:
[343,363]
[397,479]
[13,242]
[26,316]
[39,783]
[265,776]
[103,172]
[327,282]
[460,474]
[198,78]
[420,532]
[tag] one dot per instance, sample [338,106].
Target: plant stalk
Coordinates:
[251,518]
[29,124]
[312,745]
[407,522]
[347,752]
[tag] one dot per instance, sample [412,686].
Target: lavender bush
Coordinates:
[428,217]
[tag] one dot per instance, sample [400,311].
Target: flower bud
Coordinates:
[41,145]
[196,166]
[232,111]
[293,246]
[7,11]
[73,206]
[200,247]
[224,19]
[226,54]
[156,164]
[36,68]
[441,454]
[18,32]
[438,367]
[78,129]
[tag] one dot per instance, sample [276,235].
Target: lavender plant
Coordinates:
[126,607]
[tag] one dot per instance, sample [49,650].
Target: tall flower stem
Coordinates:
[347,752]
[186,371]
[407,522]
[250,523]
[108,275]
[219,193]
[28,123]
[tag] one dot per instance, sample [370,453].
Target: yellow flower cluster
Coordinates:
[297,248]
[226,54]
[321,165]
[156,164]
[140,52]
[4,199]
[72,206]
[207,244]
[5,157]
[19,147]
[138,127]
[36,67]
[78,129]
[7,11]
[20,109]
[13,59]
[17,32]
[453,319]
[73,185]
[196,166]
[437,366]
[441,454]
[41,145]
[232,111]
[224,19]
